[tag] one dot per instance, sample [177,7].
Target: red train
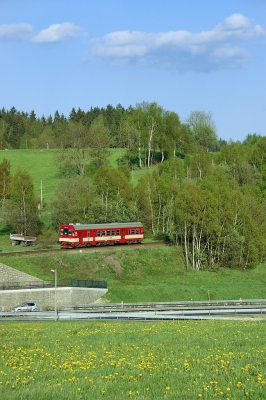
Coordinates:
[84,235]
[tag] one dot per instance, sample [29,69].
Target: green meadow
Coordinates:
[40,164]
[133,360]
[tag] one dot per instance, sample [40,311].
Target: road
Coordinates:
[153,315]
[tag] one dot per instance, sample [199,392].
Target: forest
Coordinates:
[198,192]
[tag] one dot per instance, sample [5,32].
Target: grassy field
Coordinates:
[41,164]
[121,360]
[145,274]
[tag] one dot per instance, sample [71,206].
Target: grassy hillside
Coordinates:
[132,274]
[146,274]
[41,164]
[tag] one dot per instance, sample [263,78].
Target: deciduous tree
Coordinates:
[73,200]
[204,130]
[22,214]
[99,141]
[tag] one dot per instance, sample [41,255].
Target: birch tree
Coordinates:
[22,214]
[149,124]
[5,179]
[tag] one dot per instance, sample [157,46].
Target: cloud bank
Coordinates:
[55,33]
[58,32]
[15,31]
[223,47]
[219,48]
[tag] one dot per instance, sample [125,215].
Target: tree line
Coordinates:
[205,196]
[147,131]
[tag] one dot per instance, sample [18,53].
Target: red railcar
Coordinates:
[84,235]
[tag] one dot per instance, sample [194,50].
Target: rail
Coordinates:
[22,251]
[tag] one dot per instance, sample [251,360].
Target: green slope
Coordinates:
[145,274]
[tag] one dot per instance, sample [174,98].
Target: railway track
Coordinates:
[82,249]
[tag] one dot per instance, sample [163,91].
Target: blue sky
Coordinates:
[185,55]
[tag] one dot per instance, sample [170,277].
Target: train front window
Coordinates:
[65,231]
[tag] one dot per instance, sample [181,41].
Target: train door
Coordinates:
[94,234]
[123,233]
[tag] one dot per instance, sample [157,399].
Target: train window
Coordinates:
[103,233]
[137,231]
[108,233]
[132,231]
[113,233]
[117,232]
[98,233]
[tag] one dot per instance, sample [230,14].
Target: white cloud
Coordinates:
[15,31]
[58,32]
[237,21]
[221,47]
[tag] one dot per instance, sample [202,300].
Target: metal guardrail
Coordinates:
[234,310]
[50,284]
[168,306]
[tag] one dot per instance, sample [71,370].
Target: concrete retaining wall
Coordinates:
[66,297]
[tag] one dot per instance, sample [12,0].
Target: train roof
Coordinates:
[112,225]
